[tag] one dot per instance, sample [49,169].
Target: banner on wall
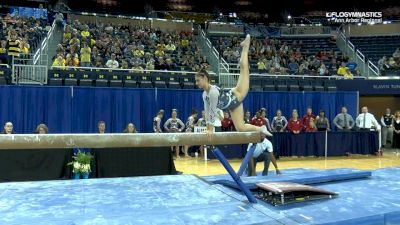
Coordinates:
[370,87]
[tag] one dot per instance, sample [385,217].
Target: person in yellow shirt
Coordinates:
[342,69]
[170,47]
[124,64]
[139,52]
[92,41]
[85,55]
[159,52]
[72,60]
[137,67]
[59,61]
[67,33]
[85,33]
[25,47]
[74,41]
[161,45]
[14,45]
[3,52]
[184,42]
[261,65]
[348,74]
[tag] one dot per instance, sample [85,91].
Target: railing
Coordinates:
[218,63]
[125,70]
[254,75]
[372,67]
[42,50]
[191,72]
[367,68]
[208,50]
[225,81]
[24,70]
[361,64]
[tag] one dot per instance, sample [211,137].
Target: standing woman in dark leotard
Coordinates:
[157,121]
[232,100]
[396,131]
[190,123]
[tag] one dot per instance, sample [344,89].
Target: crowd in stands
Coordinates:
[20,36]
[277,56]
[128,47]
[391,63]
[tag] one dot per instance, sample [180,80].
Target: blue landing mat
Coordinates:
[169,200]
[301,176]
[185,199]
[373,201]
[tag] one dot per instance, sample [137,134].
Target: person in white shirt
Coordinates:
[218,120]
[366,121]
[202,121]
[262,152]
[112,63]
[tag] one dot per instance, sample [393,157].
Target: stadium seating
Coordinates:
[141,48]
[308,46]
[292,84]
[375,47]
[27,29]
[109,78]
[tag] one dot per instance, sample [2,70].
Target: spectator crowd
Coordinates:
[20,36]
[292,57]
[128,47]
[391,63]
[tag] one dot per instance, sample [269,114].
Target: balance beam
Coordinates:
[42,141]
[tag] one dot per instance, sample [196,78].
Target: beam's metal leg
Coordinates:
[233,174]
[246,160]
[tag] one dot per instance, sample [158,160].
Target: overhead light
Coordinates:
[289,17]
[359,24]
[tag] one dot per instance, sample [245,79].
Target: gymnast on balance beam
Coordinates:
[214,98]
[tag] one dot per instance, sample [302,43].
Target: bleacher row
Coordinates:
[376,47]
[309,47]
[291,84]
[314,44]
[110,78]
[174,80]
[310,44]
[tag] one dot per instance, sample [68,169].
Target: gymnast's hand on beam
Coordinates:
[208,133]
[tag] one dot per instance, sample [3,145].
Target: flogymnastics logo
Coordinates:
[355,17]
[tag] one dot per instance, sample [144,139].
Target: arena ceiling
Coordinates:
[261,9]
